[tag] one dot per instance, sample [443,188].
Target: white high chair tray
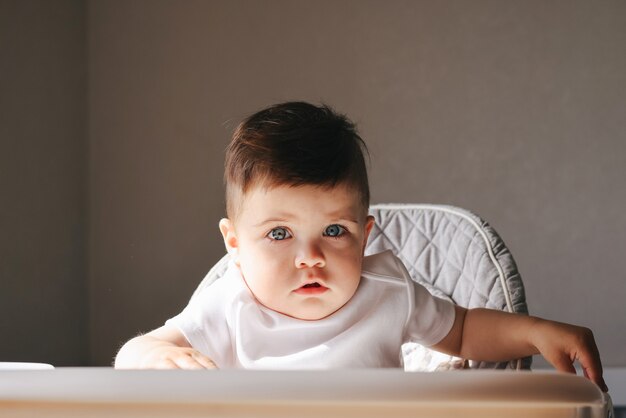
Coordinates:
[104,392]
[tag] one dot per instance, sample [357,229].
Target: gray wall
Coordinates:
[512,109]
[43,180]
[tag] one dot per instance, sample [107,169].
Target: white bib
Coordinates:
[226,323]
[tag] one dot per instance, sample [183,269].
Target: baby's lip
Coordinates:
[311,288]
[312,283]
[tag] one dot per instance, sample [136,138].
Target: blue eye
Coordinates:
[279,234]
[334,231]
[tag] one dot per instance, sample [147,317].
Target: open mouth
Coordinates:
[311,289]
[309,285]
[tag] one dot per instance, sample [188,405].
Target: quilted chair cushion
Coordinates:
[454,254]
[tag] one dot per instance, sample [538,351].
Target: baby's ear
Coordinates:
[227,228]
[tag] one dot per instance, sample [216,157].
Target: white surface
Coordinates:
[364,393]
[386,385]
[24,366]
[615,378]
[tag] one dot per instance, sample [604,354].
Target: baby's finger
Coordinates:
[188,362]
[592,367]
[597,378]
[205,361]
[563,364]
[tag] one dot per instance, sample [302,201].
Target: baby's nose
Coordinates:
[310,255]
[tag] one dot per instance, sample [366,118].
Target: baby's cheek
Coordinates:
[270,266]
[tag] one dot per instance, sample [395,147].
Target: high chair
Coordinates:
[455,255]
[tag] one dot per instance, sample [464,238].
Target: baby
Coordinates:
[299,293]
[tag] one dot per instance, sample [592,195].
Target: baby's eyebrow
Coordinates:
[354,221]
[271,220]
[285,220]
[342,216]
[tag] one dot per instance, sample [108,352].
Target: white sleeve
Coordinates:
[203,323]
[430,318]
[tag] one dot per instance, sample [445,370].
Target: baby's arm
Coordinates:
[490,335]
[163,348]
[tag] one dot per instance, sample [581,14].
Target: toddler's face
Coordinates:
[299,249]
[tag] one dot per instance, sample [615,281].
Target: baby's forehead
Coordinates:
[297,201]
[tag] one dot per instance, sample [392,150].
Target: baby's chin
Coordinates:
[314,313]
[301,313]
[312,317]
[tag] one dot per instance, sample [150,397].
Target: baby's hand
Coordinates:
[171,357]
[163,348]
[563,344]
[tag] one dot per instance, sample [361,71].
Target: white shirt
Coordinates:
[227,324]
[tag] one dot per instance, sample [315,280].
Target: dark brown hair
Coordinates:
[295,143]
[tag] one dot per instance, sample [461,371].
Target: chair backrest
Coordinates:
[449,250]
[455,254]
